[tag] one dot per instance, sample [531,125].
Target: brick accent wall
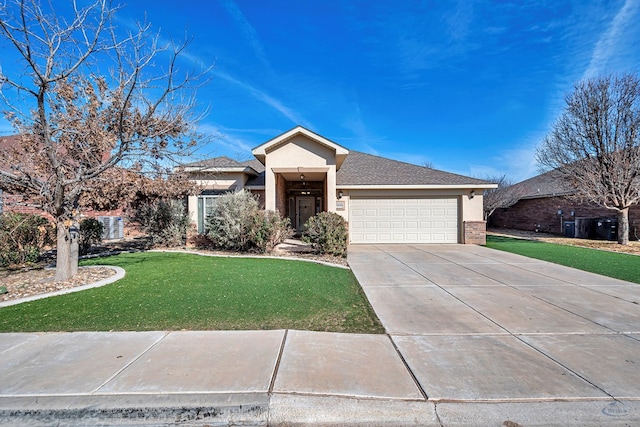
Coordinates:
[281,194]
[542,215]
[18,204]
[475,233]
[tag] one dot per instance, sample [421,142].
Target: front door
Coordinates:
[305,209]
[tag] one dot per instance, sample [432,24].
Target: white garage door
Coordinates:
[403,220]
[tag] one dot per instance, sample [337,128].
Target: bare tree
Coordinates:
[428,164]
[595,143]
[85,98]
[504,196]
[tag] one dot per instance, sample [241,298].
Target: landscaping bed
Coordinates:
[182,291]
[606,245]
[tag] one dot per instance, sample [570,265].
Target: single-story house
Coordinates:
[547,203]
[300,173]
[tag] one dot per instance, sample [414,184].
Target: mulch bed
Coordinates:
[606,245]
[27,283]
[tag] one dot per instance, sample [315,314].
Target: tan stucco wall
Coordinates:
[214,181]
[472,209]
[221,181]
[299,152]
[192,207]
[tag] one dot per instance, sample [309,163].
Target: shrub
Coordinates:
[90,234]
[269,230]
[22,238]
[229,225]
[164,221]
[327,233]
[237,223]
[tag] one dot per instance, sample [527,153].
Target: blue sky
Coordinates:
[470,87]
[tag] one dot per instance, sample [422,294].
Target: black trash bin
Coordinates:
[570,229]
[607,229]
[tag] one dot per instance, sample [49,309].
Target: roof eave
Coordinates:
[416,187]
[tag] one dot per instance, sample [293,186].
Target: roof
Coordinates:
[225,164]
[261,150]
[358,169]
[549,184]
[366,169]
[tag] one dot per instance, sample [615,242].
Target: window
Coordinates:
[205,206]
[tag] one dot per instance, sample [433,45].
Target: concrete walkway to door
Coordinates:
[489,334]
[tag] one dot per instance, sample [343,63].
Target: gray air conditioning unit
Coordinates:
[112,227]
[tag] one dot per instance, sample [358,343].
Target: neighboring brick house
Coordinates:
[300,173]
[546,205]
[113,220]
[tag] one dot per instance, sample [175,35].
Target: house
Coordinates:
[547,203]
[300,173]
[112,220]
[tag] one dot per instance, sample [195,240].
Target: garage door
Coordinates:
[403,220]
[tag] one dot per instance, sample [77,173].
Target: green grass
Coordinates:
[176,291]
[612,264]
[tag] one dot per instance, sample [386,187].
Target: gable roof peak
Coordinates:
[260,152]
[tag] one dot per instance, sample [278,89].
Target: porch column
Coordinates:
[269,190]
[331,189]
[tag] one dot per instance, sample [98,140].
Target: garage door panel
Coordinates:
[403,220]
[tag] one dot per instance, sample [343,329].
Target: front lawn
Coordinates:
[613,264]
[176,291]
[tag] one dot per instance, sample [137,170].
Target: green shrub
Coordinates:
[237,223]
[164,221]
[230,223]
[269,230]
[22,238]
[327,233]
[90,234]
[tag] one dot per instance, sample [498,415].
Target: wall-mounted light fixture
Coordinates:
[472,194]
[339,194]
[301,177]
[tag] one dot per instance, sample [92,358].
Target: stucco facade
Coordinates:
[300,173]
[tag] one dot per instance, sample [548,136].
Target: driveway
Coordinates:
[479,325]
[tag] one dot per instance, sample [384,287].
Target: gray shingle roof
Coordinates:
[256,180]
[254,164]
[225,162]
[548,184]
[361,169]
[366,169]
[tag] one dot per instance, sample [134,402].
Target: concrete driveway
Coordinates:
[479,325]
[475,337]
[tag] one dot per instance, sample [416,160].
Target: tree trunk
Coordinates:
[67,252]
[623,226]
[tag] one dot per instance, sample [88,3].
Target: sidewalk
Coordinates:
[206,378]
[255,378]
[474,337]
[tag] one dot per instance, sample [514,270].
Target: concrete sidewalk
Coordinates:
[206,378]
[474,337]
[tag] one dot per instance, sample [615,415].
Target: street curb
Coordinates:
[136,410]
